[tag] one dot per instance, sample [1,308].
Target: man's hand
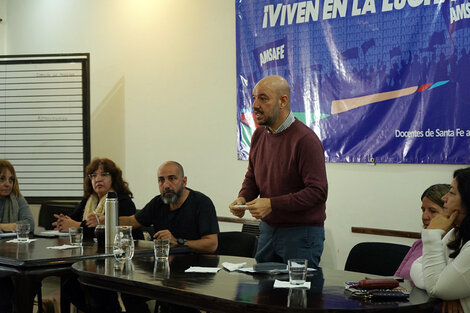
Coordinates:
[443,222]
[259,208]
[238,212]
[166,234]
[453,306]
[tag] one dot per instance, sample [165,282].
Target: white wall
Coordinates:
[163,80]
[3,12]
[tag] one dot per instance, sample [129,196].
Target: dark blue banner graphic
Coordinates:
[385,81]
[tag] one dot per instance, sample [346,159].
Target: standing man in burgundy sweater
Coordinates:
[286,170]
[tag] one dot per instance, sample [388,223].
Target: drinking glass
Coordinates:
[297,298]
[161,249]
[99,234]
[76,236]
[161,269]
[297,271]
[123,248]
[127,269]
[22,231]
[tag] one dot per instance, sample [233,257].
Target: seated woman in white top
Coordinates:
[444,268]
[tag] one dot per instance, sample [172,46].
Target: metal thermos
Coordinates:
[111,218]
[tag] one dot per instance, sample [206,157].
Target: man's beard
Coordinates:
[268,120]
[170,196]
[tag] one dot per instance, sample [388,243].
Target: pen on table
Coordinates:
[398,279]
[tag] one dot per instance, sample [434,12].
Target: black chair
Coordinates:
[48,209]
[237,244]
[251,228]
[379,258]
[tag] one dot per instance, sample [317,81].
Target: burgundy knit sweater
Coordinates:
[288,168]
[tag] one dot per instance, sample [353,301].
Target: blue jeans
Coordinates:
[279,244]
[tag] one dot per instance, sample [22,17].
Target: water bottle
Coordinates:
[111,218]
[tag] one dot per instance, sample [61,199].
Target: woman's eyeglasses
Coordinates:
[95,175]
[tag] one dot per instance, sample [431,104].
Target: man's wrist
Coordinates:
[181,241]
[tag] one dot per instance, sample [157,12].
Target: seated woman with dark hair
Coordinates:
[102,176]
[444,268]
[431,205]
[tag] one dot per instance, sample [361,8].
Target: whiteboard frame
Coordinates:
[84,59]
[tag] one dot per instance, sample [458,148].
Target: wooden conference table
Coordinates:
[235,291]
[28,263]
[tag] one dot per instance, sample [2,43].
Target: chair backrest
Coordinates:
[379,258]
[237,243]
[251,228]
[48,209]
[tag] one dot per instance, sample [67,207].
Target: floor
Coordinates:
[50,291]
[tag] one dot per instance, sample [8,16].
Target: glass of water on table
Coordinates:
[22,231]
[297,271]
[76,236]
[161,249]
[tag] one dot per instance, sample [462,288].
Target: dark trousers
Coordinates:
[6,295]
[136,304]
[295,242]
[89,300]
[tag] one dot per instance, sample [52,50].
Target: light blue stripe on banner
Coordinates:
[442,82]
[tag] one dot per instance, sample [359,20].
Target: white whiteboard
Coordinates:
[44,123]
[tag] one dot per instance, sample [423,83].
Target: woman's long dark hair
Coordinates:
[119,184]
[462,232]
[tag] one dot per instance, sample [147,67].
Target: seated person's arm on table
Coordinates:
[8,227]
[64,222]
[74,219]
[447,281]
[24,215]
[92,220]
[416,273]
[453,282]
[129,221]
[207,244]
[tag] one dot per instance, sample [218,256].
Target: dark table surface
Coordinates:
[28,263]
[236,291]
[36,254]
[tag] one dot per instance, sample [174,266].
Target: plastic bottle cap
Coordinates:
[111,195]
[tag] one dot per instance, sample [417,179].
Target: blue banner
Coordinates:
[385,81]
